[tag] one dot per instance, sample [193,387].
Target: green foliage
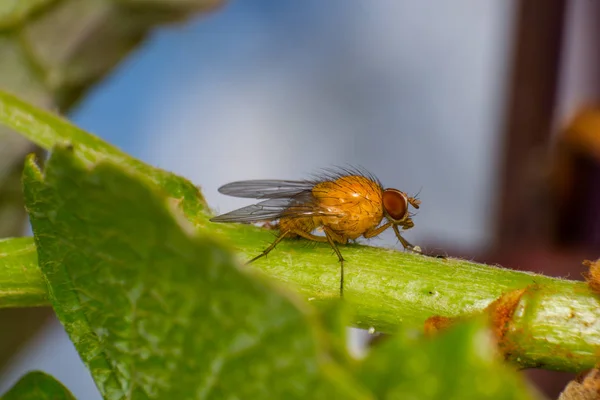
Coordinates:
[156,311]
[51,53]
[157,306]
[457,365]
[21,284]
[37,385]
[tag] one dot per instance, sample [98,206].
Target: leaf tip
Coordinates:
[32,168]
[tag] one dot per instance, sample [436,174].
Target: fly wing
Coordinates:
[266,189]
[301,205]
[267,210]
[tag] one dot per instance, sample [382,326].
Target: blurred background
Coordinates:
[484,107]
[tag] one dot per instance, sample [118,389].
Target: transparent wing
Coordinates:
[266,189]
[302,205]
[264,211]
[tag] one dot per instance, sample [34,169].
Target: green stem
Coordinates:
[21,283]
[555,325]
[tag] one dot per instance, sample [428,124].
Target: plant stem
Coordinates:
[21,283]
[556,324]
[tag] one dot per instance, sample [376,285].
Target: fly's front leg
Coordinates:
[416,249]
[377,231]
[405,242]
[407,224]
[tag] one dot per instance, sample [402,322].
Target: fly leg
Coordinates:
[406,225]
[271,246]
[377,231]
[405,243]
[330,237]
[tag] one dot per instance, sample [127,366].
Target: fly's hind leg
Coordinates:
[330,237]
[266,251]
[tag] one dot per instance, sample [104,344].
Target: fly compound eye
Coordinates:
[395,204]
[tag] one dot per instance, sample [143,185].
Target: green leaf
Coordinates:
[156,311]
[37,385]
[20,281]
[458,364]
[51,53]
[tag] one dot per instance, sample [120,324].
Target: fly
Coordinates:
[344,204]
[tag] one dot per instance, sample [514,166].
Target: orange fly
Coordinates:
[345,204]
